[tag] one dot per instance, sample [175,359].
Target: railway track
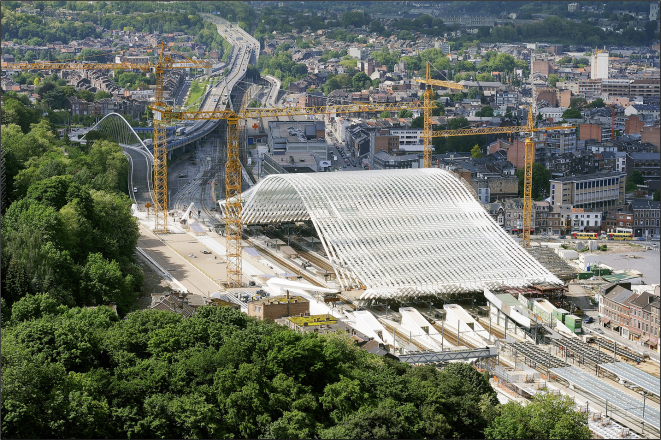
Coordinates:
[316,260]
[281,261]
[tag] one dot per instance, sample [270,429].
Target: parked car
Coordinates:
[135,189]
[562,237]
[640,238]
[204,251]
[588,320]
[598,330]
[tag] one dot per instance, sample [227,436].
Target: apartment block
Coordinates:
[645,87]
[597,132]
[604,191]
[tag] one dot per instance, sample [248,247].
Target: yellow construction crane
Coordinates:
[164,62]
[529,128]
[233,208]
[426,131]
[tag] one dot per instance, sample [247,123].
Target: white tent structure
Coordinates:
[398,232]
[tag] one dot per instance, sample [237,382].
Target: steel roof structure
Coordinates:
[398,232]
[634,375]
[614,396]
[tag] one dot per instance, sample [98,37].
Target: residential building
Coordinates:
[443,45]
[647,163]
[645,87]
[311,99]
[645,218]
[651,135]
[633,125]
[644,318]
[617,219]
[490,189]
[616,87]
[542,221]
[648,112]
[507,98]
[410,139]
[552,113]
[589,88]
[585,220]
[357,53]
[542,66]
[513,216]
[598,132]
[570,164]
[613,307]
[635,315]
[604,191]
[385,161]
[560,141]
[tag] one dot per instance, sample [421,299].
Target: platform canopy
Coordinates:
[398,233]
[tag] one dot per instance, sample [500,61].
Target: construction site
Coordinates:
[406,258]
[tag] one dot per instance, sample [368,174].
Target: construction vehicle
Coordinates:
[233,221]
[164,62]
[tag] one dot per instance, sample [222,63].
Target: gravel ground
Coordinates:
[646,262]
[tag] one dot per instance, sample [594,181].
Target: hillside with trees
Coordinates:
[67,229]
[218,374]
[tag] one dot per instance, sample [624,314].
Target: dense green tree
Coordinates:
[572,113]
[403,113]
[473,92]
[361,81]
[476,152]
[217,374]
[546,417]
[418,122]
[540,181]
[637,177]
[577,103]
[553,79]
[486,111]
[86,95]
[597,103]
[102,94]
[14,111]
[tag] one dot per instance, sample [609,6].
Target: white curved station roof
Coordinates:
[398,232]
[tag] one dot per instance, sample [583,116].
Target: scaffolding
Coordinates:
[552,262]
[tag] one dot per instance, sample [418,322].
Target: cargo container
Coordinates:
[574,323]
[560,314]
[585,275]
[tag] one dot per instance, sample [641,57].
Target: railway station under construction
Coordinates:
[398,233]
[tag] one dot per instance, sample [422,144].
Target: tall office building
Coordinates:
[599,66]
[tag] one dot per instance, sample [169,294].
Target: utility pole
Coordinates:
[442,333]
[458,333]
